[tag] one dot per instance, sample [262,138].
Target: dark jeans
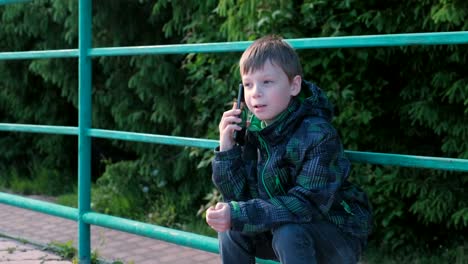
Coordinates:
[319,242]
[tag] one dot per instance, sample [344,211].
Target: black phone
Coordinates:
[239,136]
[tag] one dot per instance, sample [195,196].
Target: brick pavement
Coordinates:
[15,252]
[110,244]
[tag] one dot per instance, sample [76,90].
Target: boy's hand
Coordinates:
[219,217]
[227,126]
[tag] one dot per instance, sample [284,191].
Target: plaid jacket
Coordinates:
[292,171]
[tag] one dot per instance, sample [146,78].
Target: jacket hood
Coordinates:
[311,101]
[314,101]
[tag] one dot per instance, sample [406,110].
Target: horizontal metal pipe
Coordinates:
[172,49]
[39,54]
[264,261]
[152,138]
[388,40]
[437,38]
[63,130]
[408,160]
[460,37]
[355,156]
[39,206]
[158,232]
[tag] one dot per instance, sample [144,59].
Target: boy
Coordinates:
[286,194]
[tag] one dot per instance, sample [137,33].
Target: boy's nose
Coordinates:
[257,91]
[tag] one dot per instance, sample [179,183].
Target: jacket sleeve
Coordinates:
[316,183]
[229,174]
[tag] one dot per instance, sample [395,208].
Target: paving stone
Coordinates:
[12,252]
[27,255]
[5,244]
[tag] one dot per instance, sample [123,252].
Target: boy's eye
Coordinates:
[247,85]
[267,81]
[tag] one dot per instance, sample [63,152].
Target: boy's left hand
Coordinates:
[219,217]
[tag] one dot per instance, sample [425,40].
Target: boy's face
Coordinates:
[268,91]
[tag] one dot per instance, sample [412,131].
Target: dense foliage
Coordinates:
[411,100]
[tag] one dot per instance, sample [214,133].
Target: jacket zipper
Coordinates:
[262,142]
[262,176]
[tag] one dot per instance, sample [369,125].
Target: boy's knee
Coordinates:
[225,236]
[229,237]
[292,243]
[290,234]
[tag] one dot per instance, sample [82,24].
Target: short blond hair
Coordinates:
[275,49]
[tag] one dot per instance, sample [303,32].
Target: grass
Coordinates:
[65,250]
[69,199]
[199,226]
[68,251]
[45,182]
[11,250]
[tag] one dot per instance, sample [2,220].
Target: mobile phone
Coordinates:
[239,136]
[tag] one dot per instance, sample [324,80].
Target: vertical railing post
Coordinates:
[84,123]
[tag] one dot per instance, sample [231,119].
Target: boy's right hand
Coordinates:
[227,126]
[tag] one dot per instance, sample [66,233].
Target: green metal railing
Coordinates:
[85,217]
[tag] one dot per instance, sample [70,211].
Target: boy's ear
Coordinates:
[296,85]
